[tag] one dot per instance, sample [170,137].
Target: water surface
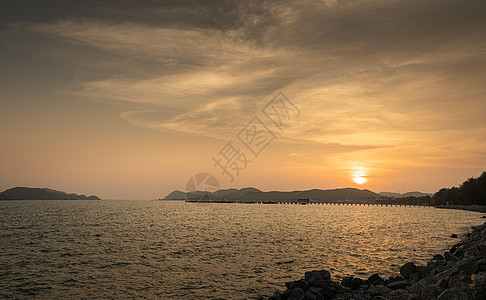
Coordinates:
[171,249]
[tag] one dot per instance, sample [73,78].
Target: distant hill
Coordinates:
[26,193]
[251,194]
[405,195]
[176,195]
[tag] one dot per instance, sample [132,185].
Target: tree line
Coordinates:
[470,192]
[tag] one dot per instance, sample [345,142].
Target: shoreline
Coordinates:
[459,273]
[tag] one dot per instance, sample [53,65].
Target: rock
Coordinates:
[408,270]
[351,282]
[309,296]
[451,294]
[444,282]
[414,297]
[303,284]
[375,279]
[454,236]
[378,298]
[421,284]
[399,294]
[321,273]
[380,290]
[328,291]
[467,266]
[450,257]
[421,272]
[482,263]
[346,281]
[276,296]
[296,294]
[436,266]
[402,284]
[438,257]
[479,280]
[317,293]
[318,278]
[459,253]
[430,292]
[460,281]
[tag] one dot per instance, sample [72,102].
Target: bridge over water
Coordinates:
[310,202]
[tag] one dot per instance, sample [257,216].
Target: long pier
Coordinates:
[311,202]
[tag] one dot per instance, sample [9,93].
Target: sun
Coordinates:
[359,175]
[359,179]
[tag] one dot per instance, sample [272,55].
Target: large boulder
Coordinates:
[408,270]
[318,278]
[375,279]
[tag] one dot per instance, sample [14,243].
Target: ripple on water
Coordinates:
[157,249]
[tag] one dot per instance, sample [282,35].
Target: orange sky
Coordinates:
[129,101]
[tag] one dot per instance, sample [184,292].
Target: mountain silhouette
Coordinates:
[251,194]
[26,193]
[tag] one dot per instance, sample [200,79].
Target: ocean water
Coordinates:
[178,250]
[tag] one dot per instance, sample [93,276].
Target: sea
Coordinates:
[127,249]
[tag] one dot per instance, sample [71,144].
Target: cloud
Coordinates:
[401,78]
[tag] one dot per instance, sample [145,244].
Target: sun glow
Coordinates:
[359,176]
[359,179]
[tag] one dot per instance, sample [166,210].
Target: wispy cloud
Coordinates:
[403,79]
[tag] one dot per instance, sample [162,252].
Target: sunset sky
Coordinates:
[129,99]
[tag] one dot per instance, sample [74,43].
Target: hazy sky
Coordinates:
[128,99]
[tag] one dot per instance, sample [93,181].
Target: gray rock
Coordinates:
[303,284]
[450,257]
[296,294]
[459,253]
[315,290]
[408,270]
[414,297]
[444,282]
[398,295]
[346,281]
[467,266]
[380,290]
[479,280]
[317,281]
[375,279]
[402,284]
[451,294]
[438,257]
[460,281]
[378,298]
[319,273]
[430,292]
[423,283]
[317,293]
[309,296]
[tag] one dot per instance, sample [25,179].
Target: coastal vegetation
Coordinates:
[470,192]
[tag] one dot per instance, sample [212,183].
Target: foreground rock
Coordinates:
[458,274]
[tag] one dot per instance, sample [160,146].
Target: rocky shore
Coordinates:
[459,273]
